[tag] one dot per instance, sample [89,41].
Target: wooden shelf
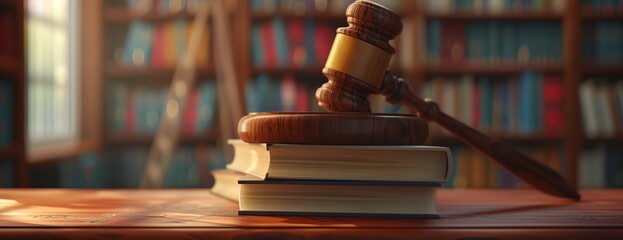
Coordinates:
[618,138]
[519,16]
[446,140]
[597,70]
[315,70]
[148,139]
[122,14]
[489,69]
[8,65]
[329,16]
[116,70]
[589,14]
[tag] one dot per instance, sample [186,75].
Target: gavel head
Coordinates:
[359,57]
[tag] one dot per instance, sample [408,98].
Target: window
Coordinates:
[52,71]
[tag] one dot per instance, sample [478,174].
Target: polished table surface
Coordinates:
[198,214]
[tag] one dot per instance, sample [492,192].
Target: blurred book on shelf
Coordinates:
[601,42]
[6,173]
[600,166]
[6,112]
[160,45]
[474,170]
[493,43]
[137,110]
[601,104]
[492,6]
[123,168]
[527,105]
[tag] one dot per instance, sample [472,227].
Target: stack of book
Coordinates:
[334,180]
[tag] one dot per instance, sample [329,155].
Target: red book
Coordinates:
[190,116]
[288,93]
[268,43]
[323,40]
[452,42]
[302,99]
[553,116]
[158,50]
[130,113]
[297,54]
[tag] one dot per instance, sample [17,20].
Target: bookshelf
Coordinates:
[600,83]
[135,91]
[13,163]
[565,17]
[292,78]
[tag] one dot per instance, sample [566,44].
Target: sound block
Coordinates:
[320,128]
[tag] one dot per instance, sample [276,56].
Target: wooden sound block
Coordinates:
[332,128]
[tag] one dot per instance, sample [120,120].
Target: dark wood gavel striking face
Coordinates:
[359,58]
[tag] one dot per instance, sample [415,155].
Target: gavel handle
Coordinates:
[525,168]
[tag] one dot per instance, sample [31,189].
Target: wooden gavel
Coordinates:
[356,67]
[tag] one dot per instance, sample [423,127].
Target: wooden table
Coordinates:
[197,214]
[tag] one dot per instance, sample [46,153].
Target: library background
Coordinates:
[85,84]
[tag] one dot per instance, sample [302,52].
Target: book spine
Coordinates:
[6,113]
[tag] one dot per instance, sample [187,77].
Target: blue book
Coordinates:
[258,94]
[506,106]
[614,167]
[523,43]
[6,112]
[180,38]
[274,95]
[433,40]
[529,96]
[493,42]
[138,43]
[6,173]
[95,171]
[281,42]
[477,41]
[310,45]
[486,107]
[256,46]
[607,36]
[554,42]
[536,38]
[207,106]
[508,41]
[117,97]
[589,41]
[140,111]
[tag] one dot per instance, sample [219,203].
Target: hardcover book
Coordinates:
[337,198]
[406,163]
